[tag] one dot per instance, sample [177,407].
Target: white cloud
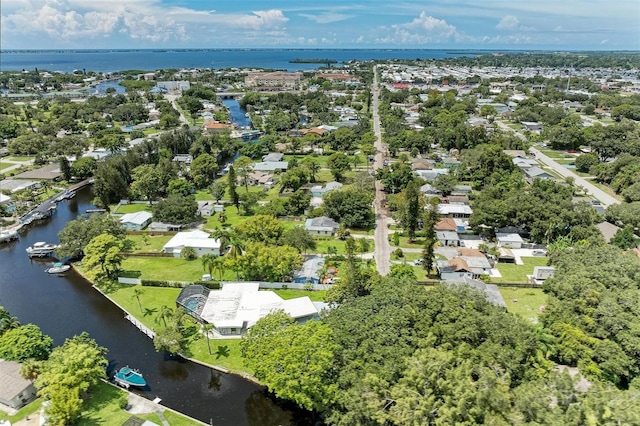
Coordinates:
[421,30]
[326,17]
[508,22]
[65,21]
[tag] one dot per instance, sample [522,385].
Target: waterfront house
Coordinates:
[15,391]
[163,227]
[198,240]
[136,221]
[237,306]
[273,156]
[270,166]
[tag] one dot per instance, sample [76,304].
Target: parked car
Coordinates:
[417,262]
[539,252]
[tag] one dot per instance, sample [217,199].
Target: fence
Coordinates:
[262,284]
[146,254]
[134,281]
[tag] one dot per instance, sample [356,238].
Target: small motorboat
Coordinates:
[58,268]
[126,377]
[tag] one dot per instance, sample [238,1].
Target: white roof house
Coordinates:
[322,225]
[509,240]
[455,210]
[238,306]
[198,240]
[270,166]
[136,221]
[4,199]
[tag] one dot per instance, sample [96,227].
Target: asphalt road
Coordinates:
[604,198]
[382,253]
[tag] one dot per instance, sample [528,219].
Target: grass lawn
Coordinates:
[527,301]
[553,154]
[6,165]
[233,218]
[153,244]
[32,408]
[316,296]
[323,244]
[133,208]
[165,268]
[102,409]
[512,273]
[404,242]
[18,158]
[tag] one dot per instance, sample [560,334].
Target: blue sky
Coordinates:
[481,24]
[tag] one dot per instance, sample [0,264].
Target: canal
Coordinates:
[67,305]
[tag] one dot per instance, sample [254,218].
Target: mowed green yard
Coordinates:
[512,273]
[525,302]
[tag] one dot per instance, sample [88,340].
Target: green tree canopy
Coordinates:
[77,233]
[25,342]
[176,209]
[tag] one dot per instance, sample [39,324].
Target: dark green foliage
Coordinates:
[176,209]
[78,232]
[586,161]
[25,342]
[593,310]
[350,207]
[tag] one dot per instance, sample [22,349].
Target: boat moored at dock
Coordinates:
[58,268]
[127,377]
[41,249]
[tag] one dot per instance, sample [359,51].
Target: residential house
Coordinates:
[236,307]
[273,156]
[205,208]
[322,225]
[422,164]
[15,391]
[448,224]
[5,200]
[277,79]
[462,190]
[448,238]
[260,178]
[429,190]
[524,163]
[310,270]
[136,221]
[320,191]
[198,240]
[163,227]
[15,185]
[509,240]
[458,199]
[461,211]
[270,166]
[532,126]
[211,126]
[536,172]
[540,274]
[450,162]
[183,158]
[608,230]
[431,175]
[491,291]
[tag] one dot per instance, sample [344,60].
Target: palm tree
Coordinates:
[165,313]
[224,235]
[236,249]
[208,261]
[206,328]
[136,293]
[218,266]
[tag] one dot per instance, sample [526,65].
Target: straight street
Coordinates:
[382,252]
[590,188]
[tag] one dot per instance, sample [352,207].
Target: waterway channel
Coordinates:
[68,305]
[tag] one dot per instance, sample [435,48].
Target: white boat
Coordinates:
[58,268]
[8,236]
[41,249]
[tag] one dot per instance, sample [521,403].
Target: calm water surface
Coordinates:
[66,306]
